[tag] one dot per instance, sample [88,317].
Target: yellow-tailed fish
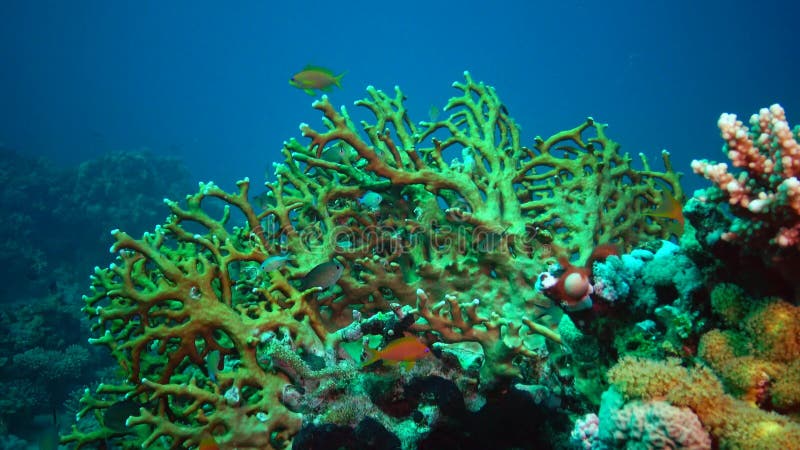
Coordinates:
[669,208]
[315,77]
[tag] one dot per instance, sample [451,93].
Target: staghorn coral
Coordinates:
[475,228]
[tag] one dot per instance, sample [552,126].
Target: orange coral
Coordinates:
[785,391]
[640,378]
[717,347]
[730,302]
[731,422]
[745,376]
[759,361]
[775,329]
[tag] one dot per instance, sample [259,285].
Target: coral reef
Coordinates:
[381,237]
[55,229]
[403,285]
[650,302]
[727,350]
[82,203]
[44,355]
[31,191]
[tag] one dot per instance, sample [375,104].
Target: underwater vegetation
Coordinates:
[416,285]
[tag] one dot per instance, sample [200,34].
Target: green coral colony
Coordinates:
[444,249]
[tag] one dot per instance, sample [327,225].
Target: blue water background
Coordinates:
[207,81]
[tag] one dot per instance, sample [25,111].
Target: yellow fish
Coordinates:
[669,208]
[315,77]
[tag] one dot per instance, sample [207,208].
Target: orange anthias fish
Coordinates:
[315,77]
[669,208]
[406,350]
[207,442]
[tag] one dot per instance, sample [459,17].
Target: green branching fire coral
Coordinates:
[216,338]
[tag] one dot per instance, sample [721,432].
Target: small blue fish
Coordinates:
[433,113]
[370,200]
[212,365]
[275,262]
[339,153]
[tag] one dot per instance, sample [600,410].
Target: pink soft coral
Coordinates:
[657,425]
